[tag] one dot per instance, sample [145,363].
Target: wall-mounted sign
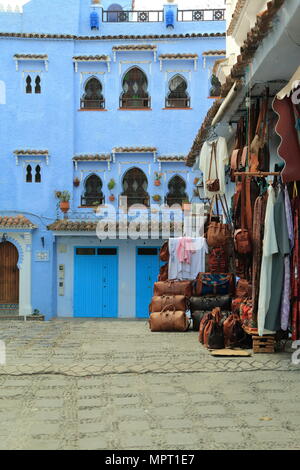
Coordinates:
[42,255]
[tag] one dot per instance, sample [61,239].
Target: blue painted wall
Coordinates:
[52,120]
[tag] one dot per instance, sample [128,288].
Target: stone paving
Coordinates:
[80,384]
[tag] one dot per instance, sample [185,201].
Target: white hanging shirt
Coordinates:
[222,158]
[178,270]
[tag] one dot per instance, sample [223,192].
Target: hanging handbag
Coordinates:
[218,234]
[242,240]
[169,319]
[238,149]
[164,252]
[213,185]
[163,272]
[173,287]
[177,301]
[214,284]
[218,260]
[209,303]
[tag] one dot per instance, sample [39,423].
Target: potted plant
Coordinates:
[156,198]
[111,184]
[157,179]
[196,181]
[76,182]
[64,204]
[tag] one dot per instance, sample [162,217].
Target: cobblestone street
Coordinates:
[77,384]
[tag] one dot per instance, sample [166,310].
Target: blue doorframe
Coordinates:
[147,270]
[96,282]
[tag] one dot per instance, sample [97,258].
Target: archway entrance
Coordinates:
[9,274]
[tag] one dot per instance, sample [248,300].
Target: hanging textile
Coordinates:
[273,317]
[286,295]
[218,169]
[193,264]
[270,247]
[295,271]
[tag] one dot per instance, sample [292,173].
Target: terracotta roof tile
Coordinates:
[171,158]
[92,58]
[214,53]
[135,47]
[17,222]
[31,152]
[112,37]
[178,56]
[134,150]
[90,226]
[31,56]
[238,9]
[254,39]
[92,157]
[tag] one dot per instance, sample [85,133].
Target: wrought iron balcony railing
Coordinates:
[92,104]
[137,103]
[201,15]
[132,16]
[177,102]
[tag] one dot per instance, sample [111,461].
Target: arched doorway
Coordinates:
[135,186]
[9,273]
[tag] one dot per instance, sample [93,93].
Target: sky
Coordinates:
[150,4]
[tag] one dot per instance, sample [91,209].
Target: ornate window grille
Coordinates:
[135,86]
[93,98]
[177,96]
[135,186]
[177,191]
[93,195]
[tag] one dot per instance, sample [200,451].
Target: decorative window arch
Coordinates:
[115,13]
[28,174]
[135,89]
[38,176]
[93,195]
[28,84]
[92,97]
[177,191]
[135,185]
[37,88]
[177,95]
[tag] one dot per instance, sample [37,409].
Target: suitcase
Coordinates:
[177,301]
[169,320]
[173,288]
[209,303]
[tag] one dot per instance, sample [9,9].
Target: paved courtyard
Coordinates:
[80,384]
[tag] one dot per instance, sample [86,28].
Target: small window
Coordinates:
[28,174]
[38,177]
[28,85]
[92,97]
[135,86]
[177,96]
[148,251]
[37,88]
[107,251]
[177,191]
[85,251]
[93,195]
[135,185]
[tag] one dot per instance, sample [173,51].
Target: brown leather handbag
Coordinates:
[177,301]
[218,260]
[173,287]
[233,331]
[218,234]
[164,252]
[169,319]
[206,318]
[242,238]
[213,185]
[163,272]
[243,289]
[216,317]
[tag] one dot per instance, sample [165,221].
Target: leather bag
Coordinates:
[206,318]
[177,301]
[216,318]
[218,234]
[164,252]
[198,315]
[214,284]
[173,287]
[242,238]
[216,337]
[218,260]
[243,289]
[163,272]
[209,303]
[234,333]
[213,185]
[169,320]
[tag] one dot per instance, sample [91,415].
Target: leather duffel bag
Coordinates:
[169,320]
[160,302]
[214,284]
[209,303]
[173,288]
[198,315]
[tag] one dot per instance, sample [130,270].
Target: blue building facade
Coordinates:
[101,101]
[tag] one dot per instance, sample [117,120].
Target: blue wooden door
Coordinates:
[96,282]
[147,270]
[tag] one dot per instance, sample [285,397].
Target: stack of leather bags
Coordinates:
[168,309]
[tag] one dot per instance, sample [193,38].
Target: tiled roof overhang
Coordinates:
[90,226]
[92,157]
[91,58]
[16,222]
[31,56]
[109,38]
[135,47]
[134,150]
[235,17]
[31,152]
[214,53]
[254,39]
